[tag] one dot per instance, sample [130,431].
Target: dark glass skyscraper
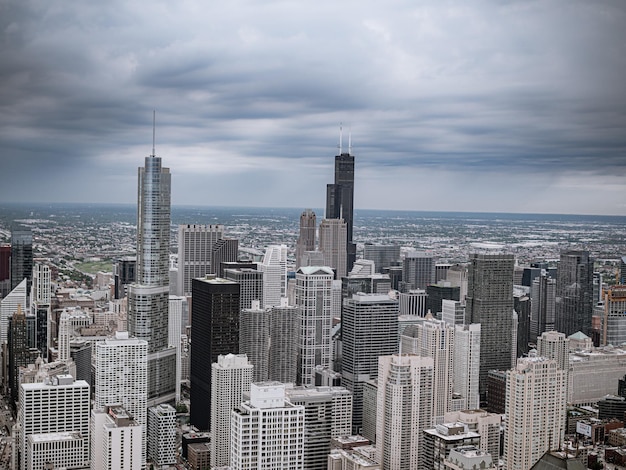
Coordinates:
[340,199]
[574,293]
[21,256]
[148,298]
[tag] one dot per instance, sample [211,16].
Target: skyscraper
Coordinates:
[418,271]
[383,256]
[333,233]
[148,298]
[284,331]
[162,435]
[307,237]
[614,320]
[116,440]
[340,200]
[370,330]
[274,268]
[254,338]
[313,299]
[574,293]
[490,303]
[543,297]
[467,364]
[535,411]
[21,256]
[40,304]
[195,244]
[251,285]
[404,410]
[215,317]
[8,306]
[230,379]
[225,250]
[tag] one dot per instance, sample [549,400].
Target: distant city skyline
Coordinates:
[488,107]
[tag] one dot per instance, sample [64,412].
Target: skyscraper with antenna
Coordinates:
[340,195]
[148,298]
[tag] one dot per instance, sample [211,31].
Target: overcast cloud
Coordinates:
[470,106]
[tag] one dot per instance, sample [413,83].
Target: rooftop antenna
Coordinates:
[153,129]
[340,136]
[350,141]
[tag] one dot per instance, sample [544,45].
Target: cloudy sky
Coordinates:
[470,106]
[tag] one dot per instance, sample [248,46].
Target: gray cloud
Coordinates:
[250,95]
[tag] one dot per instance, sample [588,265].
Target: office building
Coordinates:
[522,307]
[382,255]
[230,379]
[8,306]
[435,339]
[490,303]
[251,285]
[19,352]
[255,340]
[274,268]
[5,269]
[437,293]
[441,439]
[40,306]
[452,312]
[554,345]
[162,435]
[413,302]
[148,297]
[225,250]
[195,245]
[622,270]
[267,431]
[307,237]
[178,310]
[121,377]
[487,425]
[535,410]
[116,440]
[418,271]
[614,316]
[327,415]
[543,305]
[370,330]
[215,316]
[340,200]
[404,410]
[333,233]
[467,364]
[285,333]
[313,299]
[574,293]
[457,276]
[362,267]
[21,256]
[124,274]
[58,405]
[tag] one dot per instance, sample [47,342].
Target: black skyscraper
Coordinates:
[215,320]
[21,256]
[574,293]
[340,199]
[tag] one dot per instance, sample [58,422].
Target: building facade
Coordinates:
[574,293]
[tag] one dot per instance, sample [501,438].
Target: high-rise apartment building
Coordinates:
[340,200]
[382,255]
[148,298]
[313,299]
[195,244]
[554,345]
[274,268]
[535,410]
[467,364]
[178,310]
[404,410]
[215,317]
[121,367]
[231,378]
[162,435]
[574,293]
[333,233]
[307,237]
[21,256]
[327,415]
[251,285]
[255,339]
[370,330]
[116,440]
[490,303]
[418,271]
[58,405]
[285,332]
[267,432]
[543,305]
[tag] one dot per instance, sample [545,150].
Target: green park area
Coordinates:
[92,267]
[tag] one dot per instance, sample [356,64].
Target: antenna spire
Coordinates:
[350,141]
[153,130]
[340,136]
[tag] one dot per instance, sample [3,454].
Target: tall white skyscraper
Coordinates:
[404,410]
[195,243]
[554,345]
[116,440]
[58,405]
[8,306]
[435,339]
[162,435]
[121,367]
[231,378]
[467,364]
[40,298]
[314,300]
[177,308]
[267,432]
[65,329]
[333,236]
[254,338]
[274,267]
[42,282]
[148,298]
[535,410]
[284,331]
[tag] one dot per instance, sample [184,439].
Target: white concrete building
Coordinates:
[274,268]
[178,306]
[254,338]
[283,353]
[230,379]
[116,440]
[267,432]
[467,364]
[162,435]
